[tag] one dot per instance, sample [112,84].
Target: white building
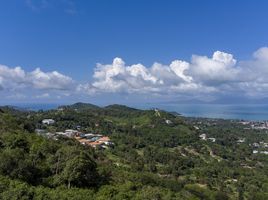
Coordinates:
[60,133]
[255,151]
[48,121]
[212,139]
[264,152]
[70,132]
[241,140]
[255,144]
[168,121]
[203,136]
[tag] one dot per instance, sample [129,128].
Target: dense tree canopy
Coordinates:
[156,155]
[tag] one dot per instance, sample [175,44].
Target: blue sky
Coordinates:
[49,50]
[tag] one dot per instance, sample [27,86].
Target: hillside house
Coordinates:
[48,121]
[203,136]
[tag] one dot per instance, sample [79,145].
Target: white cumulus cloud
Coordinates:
[15,78]
[219,74]
[49,80]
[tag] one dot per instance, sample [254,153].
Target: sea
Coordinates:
[254,112]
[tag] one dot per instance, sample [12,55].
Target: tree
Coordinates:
[80,171]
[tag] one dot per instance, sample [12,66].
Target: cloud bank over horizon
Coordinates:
[220,74]
[202,78]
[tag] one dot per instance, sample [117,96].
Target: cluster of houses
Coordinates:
[260,147]
[94,140]
[204,137]
[259,125]
[90,139]
[261,152]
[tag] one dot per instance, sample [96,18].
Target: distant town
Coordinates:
[261,125]
[259,147]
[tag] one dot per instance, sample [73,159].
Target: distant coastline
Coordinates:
[36,106]
[255,112]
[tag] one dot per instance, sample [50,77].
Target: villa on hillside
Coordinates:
[95,140]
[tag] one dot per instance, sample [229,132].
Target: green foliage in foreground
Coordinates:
[150,160]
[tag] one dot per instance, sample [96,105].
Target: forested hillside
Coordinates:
[155,155]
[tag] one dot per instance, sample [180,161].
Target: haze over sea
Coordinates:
[224,111]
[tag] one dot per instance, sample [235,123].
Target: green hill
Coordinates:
[121,108]
[81,106]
